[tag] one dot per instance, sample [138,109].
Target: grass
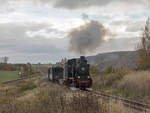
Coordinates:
[136,83]
[28,86]
[57,100]
[8,75]
[126,83]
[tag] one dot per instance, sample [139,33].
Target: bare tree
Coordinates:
[6,60]
[144,47]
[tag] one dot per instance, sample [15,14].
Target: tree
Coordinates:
[144,48]
[6,59]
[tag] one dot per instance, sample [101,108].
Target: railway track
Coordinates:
[138,106]
[127,102]
[19,79]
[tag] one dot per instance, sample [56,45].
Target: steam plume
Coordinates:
[87,38]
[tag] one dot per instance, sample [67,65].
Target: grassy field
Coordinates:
[8,75]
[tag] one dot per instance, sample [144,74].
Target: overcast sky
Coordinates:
[37,30]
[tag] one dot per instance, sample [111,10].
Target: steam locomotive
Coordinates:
[74,74]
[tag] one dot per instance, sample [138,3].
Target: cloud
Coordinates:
[78,4]
[120,44]
[74,4]
[17,44]
[127,28]
[24,36]
[135,26]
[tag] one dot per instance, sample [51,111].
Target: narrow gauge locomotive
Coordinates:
[74,74]
[77,73]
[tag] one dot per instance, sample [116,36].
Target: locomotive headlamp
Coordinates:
[89,76]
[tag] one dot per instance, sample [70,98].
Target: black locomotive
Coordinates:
[77,73]
[74,74]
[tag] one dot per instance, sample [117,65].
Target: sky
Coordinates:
[37,30]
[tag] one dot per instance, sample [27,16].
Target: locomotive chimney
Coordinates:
[82,57]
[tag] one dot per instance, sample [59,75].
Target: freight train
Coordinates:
[75,73]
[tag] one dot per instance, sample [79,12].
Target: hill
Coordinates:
[116,59]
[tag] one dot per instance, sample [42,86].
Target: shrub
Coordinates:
[109,69]
[94,70]
[136,83]
[105,81]
[98,81]
[118,75]
[28,86]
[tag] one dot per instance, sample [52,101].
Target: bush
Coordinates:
[136,84]
[144,59]
[109,69]
[28,86]
[118,75]
[105,81]
[94,70]
[98,81]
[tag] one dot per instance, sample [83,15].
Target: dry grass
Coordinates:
[98,81]
[52,98]
[137,83]
[105,80]
[56,99]
[118,108]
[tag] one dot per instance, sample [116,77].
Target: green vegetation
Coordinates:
[28,86]
[8,75]
[26,69]
[94,70]
[109,69]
